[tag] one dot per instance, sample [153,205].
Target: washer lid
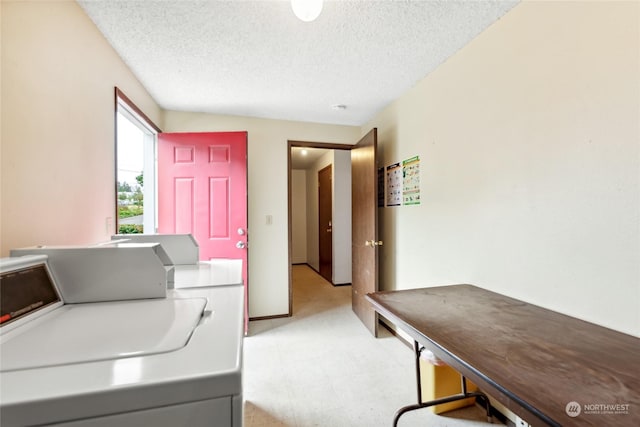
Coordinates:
[215,272]
[77,333]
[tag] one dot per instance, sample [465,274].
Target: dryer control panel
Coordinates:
[24,291]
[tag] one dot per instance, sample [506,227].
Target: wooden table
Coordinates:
[542,365]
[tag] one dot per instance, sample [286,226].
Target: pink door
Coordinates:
[202,190]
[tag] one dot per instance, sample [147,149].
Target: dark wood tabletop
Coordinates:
[536,362]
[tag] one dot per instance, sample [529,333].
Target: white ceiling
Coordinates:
[255,58]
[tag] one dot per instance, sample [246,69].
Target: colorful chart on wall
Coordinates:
[411,181]
[394,185]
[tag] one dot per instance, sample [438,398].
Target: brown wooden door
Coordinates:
[325,212]
[364,193]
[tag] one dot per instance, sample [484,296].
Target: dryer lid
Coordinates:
[78,333]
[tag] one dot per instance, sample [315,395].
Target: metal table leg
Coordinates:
[463,395]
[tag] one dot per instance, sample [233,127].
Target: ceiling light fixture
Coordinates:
[303,152]
[306,10]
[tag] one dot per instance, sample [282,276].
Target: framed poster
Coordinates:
[411,181]
[394,185]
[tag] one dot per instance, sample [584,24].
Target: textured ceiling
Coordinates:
[255,58]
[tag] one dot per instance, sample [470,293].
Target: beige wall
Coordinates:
[58,179]
[268,244]
[528,136]
[57,146]
[529,139]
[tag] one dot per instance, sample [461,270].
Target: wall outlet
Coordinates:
[521,423]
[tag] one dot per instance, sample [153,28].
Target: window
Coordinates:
[136,138]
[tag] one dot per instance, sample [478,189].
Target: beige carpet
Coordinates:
[321,367]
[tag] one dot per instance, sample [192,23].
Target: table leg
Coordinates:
[463,395]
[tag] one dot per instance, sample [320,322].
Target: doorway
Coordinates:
[320,210]
[360,254]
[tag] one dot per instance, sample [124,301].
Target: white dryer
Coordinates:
[174,361]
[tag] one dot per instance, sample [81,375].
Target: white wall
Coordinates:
[529,139]
[341,216]
[57,113]
[267,158]
[298,216]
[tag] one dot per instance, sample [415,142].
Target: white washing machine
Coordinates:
[174,361]
[183,252]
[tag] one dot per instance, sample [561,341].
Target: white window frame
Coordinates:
[123,107]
